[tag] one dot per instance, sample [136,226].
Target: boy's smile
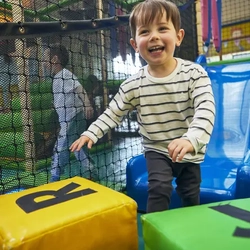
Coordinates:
[156,48]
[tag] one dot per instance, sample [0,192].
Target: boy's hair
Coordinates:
[61,52]
[146,11]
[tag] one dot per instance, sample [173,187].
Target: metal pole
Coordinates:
[103,61]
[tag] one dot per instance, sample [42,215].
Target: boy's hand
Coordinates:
[178,148]
[79,143]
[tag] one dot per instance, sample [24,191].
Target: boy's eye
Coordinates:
[163,28]
[143,31]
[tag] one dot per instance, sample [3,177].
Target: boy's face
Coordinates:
[156,41]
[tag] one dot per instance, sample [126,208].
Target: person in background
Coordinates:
[174,102]
[73,108]
[94,90]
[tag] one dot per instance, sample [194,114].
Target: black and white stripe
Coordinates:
[179,105]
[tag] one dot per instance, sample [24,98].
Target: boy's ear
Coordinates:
[133,44]
[180,36]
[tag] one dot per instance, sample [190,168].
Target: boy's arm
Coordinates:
[201,127]
[110,118]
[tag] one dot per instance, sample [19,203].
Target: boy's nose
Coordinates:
[154,36]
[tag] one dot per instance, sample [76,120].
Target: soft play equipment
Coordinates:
[206,15]
[226,169]
[74,214]
[217,226]
[211,22]
[216,24]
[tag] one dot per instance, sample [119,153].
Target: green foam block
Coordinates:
[215,226]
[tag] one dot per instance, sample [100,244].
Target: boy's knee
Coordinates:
[160,188]
[191,190]
[159,194]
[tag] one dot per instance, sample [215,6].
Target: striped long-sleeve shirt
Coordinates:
[180,105]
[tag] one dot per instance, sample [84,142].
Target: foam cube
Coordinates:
[222,225]
[73,214]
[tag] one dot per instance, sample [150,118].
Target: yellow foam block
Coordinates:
[74,214]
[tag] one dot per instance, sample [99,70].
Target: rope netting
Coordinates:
[96,36]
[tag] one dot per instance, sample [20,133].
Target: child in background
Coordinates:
[174,103]
[73,108]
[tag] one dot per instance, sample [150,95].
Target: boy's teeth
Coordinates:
[155,48]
